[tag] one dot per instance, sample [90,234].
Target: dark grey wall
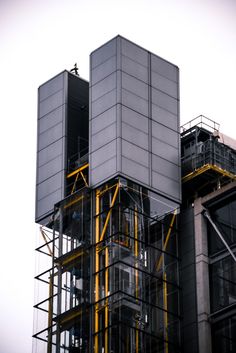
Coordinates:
[59,116]
[134,117]
[189,326]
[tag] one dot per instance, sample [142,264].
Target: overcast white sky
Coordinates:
[39,39]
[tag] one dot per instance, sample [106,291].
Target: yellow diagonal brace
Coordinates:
[45,239]
[74,185]
[85,181]
[109,212]
[166,240]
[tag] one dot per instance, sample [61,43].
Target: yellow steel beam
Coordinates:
[71,257]
[109,212]
[159,263]
[78,170]
[50,314]
[106,294]
[45,239]
[74,185]
[165,303]
[70,316]
[77,199]
[206,167]
[85,181]
[96,314]
[136,273]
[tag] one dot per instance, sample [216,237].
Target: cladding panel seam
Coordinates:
[99,131]
[61,138]
[61,170]
[167,110]
[105,144]
[49,194]
[107,160]
[50,95]
[49,160]
[94,67]
[43,116]
[97,99]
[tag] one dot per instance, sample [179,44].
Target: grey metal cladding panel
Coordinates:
[50,152]
[50,185]
[135,136]
[134,119]
[166,185]
[46,205]
[164,84]
[49,136]
[51,119]
[135,86]
[49,169]
[103,137]
[164,68]
[104,86]
[164,101]
[134,102]
[103,120]
[134,52]
[135,170]
[103,53]
[135,69]
[164,117]
[103,171]
[103,154]
[103,103]
[165,134]
[51,103]
[103,70]
[165,151]
[166,168]
[135,153]
[51,87]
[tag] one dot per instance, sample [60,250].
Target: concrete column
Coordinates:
[202,278]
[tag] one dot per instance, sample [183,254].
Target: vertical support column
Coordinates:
[96,315]
[136,273]
[202,278]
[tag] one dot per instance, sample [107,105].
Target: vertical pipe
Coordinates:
[165,313]
[136,272]
[50,305]
[96,315]
[106,294]
[60,244]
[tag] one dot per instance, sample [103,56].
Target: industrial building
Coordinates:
[137,215]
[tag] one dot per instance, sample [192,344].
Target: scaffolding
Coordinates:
[113,285]
[207,164]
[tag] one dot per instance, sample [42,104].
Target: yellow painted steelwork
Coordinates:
[77,199]
[136,272]
[96,314]
[159,263]
[71,257]
[77,170]
[45,239]
[50,311]
[109,212]
[106,294]
[205,168]
[85,181]
[165,304]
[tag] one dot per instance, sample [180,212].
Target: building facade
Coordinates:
[126,268]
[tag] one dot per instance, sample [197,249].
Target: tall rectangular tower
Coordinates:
[134,118]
